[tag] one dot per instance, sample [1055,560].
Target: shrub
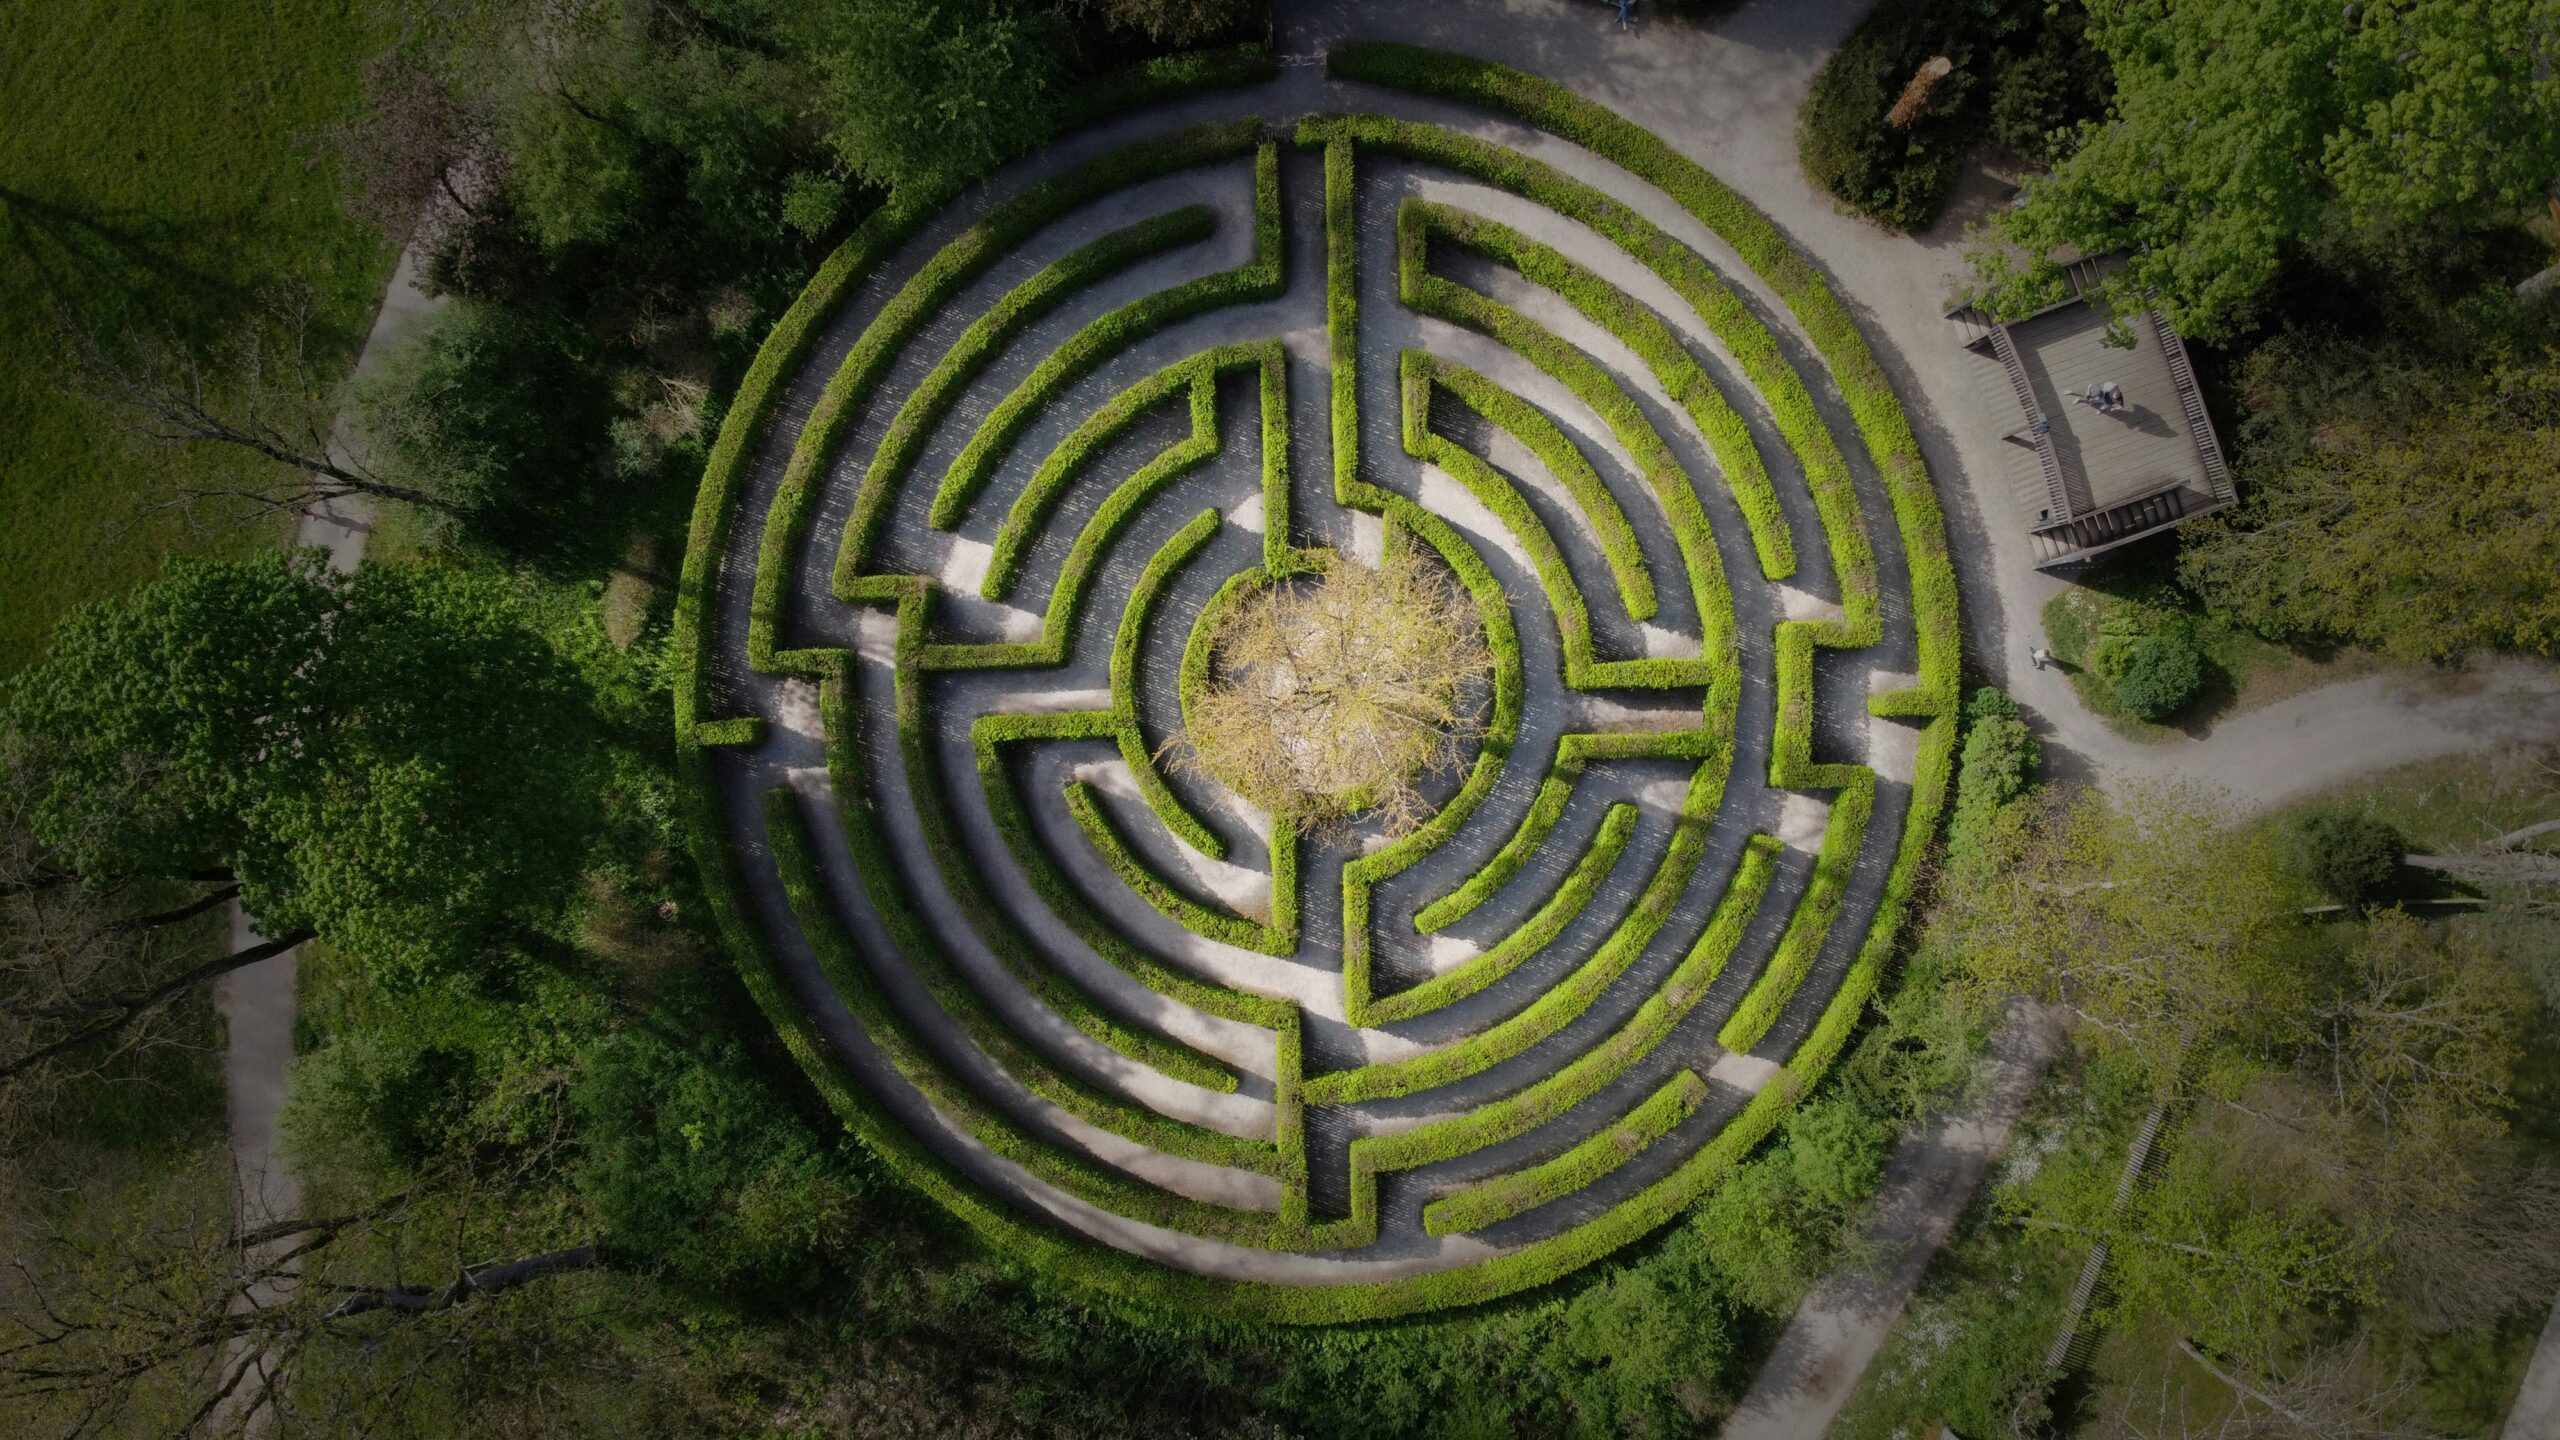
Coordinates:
[696,1167]
[1838,1153]
[2020,76]
[2348,857]
[2158,674]
[1999,763]
[811,202]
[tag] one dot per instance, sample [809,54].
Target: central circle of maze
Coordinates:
[957,600]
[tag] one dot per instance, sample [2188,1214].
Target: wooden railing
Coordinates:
[2191,399]
[2057,499]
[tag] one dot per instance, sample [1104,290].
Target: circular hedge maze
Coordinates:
[957,563]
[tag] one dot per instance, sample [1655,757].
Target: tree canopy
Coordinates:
[2239,127]
[2159,924]
[387,759]
[916,91]
[2406,504]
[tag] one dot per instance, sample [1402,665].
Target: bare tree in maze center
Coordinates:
[1342,694]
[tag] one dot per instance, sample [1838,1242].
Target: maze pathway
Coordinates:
[954,564]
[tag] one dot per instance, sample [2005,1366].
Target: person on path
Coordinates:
[1626,13]
[2040,657]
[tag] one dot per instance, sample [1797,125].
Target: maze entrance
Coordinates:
[959,558]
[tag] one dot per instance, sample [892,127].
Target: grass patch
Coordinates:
[2453,802]
[2242,671]
[154,172]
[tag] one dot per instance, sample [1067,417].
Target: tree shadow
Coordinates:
[100,265]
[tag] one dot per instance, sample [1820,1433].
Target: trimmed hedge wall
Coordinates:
[1134,750]
[1257,279]
[1551,1097]
[1570,899]
[991,735]
[1622,315]
[1521,1191]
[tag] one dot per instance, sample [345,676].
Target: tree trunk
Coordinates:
[128,1010]
[470,1284]
[188,911]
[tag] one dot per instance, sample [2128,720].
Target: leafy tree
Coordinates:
[915,93]
[387,759]
[499,411]
[2347,857]
[2405,504]
[2153,920]
[2160,674]
[2019,71]
[2241,126]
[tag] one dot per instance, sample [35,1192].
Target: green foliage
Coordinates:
[1641,1352]
[2402,502]
[697,1168]
[393,759]
[379,1102]
[1575,1170]
[496,412]
[1755,1229]
[811,202]
[2022,72]
[2155,675]
[2346,857]
[1838,1153]
[917,93]
[2240,127]
[1997,767]
[2157,872]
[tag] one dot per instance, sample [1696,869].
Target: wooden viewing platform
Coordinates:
[2096,479]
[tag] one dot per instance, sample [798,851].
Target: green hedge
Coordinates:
[1259,278]
[1570,899]
[991,735]
[1134,750]
[1561,1004]
[1196,380]
[1563,459]
[1827,323]
[1059,1165]
[1585,1076]
[1842,837]
[1521,1191]
[969,355]
[1209,923]
[831,419]
[1419,222]
[1543,813]
[1718,668]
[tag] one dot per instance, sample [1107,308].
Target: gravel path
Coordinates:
[2536,1414]
[258,1003]
[1836,1333]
